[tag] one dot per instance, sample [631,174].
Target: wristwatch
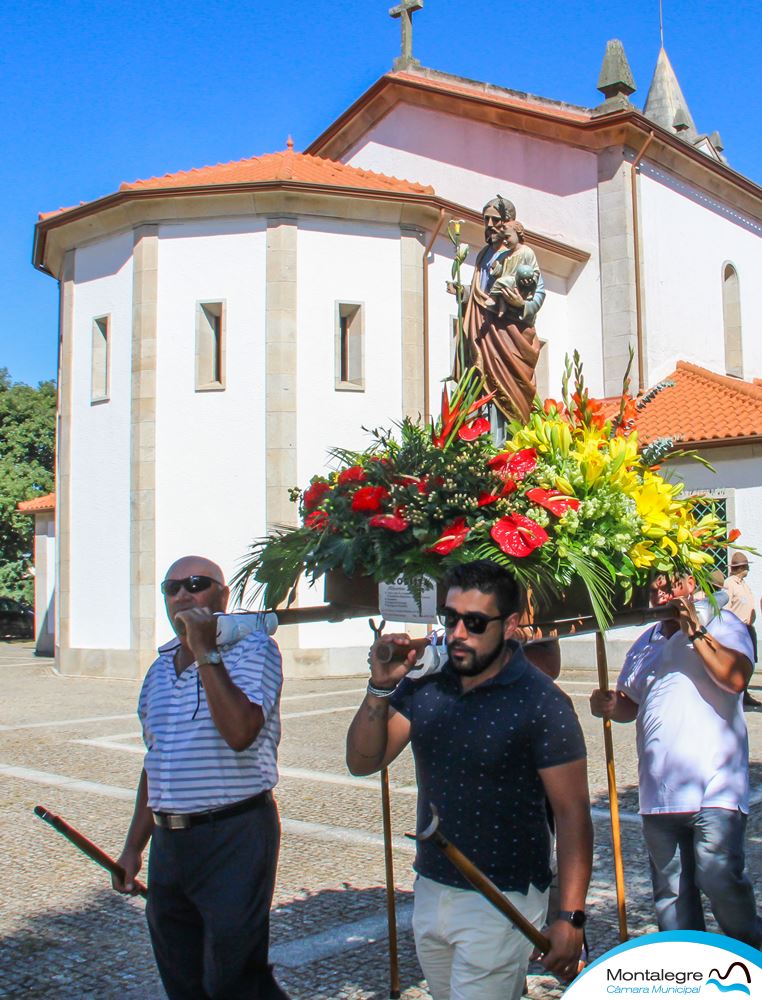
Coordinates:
[214,657]
[577,918]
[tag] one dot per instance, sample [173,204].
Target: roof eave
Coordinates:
[611,128]
[425,200]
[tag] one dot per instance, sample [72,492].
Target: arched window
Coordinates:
[731,321]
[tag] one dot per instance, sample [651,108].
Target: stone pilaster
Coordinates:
[280,369]
[411,285]
[280,381]
[617,243]
[145,260]
[63,460]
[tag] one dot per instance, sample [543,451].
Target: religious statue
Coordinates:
[506,295]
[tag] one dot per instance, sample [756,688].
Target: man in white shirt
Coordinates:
[211,726]
[683,684]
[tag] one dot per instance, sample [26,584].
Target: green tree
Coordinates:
[27,455]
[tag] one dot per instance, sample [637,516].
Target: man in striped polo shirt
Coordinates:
[211,726]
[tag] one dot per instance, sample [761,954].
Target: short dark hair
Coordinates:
[489,578]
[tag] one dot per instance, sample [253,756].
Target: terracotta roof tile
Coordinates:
[273,167]
[38,504]
[284,166]
[702,406]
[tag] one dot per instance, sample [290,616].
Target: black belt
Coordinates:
[183,821]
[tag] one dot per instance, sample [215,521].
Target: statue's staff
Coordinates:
[88,847]
[476,877]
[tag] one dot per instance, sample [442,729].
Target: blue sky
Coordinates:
[94,93]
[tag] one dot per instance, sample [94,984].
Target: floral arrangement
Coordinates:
[568,495]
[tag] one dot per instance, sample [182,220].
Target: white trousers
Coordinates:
[467,949]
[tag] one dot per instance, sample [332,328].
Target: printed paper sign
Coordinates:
[397,602]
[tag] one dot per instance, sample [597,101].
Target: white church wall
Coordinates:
[687,238]
[354,263]
[100,451]
[553,186]
[210,445]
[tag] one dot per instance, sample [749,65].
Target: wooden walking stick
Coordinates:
[88,847]
[616,832]
[391,909]
[476,877]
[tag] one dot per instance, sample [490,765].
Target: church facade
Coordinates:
[222,328]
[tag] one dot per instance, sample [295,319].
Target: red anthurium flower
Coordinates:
[518,536]
[451,538]
[317,520]
[521,463]
[733,534]
[486,498]
[392,522]
[314,494]
[369,499]
[354,474]
[557,503]
[474,430]
[516,464]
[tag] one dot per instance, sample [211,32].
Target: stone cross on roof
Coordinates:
[404,11]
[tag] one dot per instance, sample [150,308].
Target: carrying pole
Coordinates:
[616,831]
[386,814]
[391,912]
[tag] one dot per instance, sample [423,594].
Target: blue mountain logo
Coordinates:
[730,987]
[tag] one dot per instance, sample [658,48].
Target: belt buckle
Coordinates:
[177,821]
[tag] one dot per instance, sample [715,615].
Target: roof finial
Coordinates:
[290,144]
[661,24]
[615,81]
[404,11]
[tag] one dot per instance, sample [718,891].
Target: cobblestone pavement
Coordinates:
[73,745]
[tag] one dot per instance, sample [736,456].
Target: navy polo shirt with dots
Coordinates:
[477,755]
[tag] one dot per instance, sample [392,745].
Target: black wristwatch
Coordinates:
[577,918]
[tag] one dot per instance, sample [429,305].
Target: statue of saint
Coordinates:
[506,295]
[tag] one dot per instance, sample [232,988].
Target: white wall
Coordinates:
[344,262]
[210,446]
[553,186]
[100,451]
[687,238]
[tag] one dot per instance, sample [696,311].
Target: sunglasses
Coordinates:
[473,622]
[192,584]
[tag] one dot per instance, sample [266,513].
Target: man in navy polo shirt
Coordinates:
[211,726]
[492,737]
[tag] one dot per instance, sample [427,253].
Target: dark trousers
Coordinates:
[209,907]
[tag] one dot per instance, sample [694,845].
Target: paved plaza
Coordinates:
[73,745]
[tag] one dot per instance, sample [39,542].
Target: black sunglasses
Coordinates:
[193,585]
[473,622]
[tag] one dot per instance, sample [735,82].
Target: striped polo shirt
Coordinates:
[190,767]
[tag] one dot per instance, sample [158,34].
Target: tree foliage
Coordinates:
[27,455]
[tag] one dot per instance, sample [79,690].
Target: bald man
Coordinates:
[211,726]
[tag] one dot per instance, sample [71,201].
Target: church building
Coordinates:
[222,327]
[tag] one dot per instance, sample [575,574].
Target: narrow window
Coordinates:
[350,360]
[99,361]
[731,321]
[210,347]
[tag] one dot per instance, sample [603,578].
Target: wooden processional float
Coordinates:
[360,597]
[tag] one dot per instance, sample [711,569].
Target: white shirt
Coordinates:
[693,747]
[190,767]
